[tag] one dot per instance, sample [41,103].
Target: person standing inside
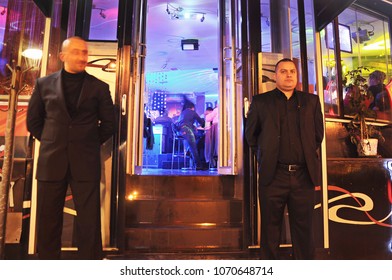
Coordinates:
[71,113]
[285,127]
[381,100]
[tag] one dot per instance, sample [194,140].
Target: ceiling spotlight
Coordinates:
[3,11]
[102,14]
[202,18]
[174,12]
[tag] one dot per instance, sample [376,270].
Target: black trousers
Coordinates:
[295,190]
[190,138]
[51,198]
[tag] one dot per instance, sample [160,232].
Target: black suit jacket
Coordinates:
[263,133]
[70,142]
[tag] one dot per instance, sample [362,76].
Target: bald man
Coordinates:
[71,113]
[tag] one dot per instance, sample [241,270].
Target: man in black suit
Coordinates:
[285,127]
[71,113]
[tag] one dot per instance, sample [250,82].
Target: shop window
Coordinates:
[265,22]
[331,99]
[103,22]
[363,42]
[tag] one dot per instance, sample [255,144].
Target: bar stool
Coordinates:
[179,139]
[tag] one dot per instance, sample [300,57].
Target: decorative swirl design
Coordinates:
[365,206]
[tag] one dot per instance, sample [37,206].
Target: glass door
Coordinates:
[135,102]
[230,89]
[230,107]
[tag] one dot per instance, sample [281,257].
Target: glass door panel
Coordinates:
[135,97]
[230,106]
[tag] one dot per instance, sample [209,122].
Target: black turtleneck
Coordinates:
[72,87]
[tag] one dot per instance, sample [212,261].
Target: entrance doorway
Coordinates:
[181,67]
[179,56]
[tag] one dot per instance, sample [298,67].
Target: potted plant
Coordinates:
[356,104]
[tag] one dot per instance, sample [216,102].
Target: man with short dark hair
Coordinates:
[285,127]
[71,113]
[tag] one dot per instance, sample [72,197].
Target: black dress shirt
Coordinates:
[290,147]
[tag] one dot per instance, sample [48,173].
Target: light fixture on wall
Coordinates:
[190,44]
[32,57]
[110,66]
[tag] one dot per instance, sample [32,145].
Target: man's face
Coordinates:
[286,76]
[74,55]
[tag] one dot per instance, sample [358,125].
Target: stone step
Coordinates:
[172,239]
[182,214]
[166,212]
[189,255]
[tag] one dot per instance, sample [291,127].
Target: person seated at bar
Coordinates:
[186,127]
[167,135]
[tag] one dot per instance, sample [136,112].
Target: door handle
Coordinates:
[143,50]
[124,105]
[246,106]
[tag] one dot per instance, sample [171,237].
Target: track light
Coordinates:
[101,13]
[184,13]
[167,9]
[174,12]
[3,11]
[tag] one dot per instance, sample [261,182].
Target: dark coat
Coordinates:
[66,141]
[263,133]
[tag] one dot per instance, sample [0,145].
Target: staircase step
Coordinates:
[183,239]
[182,214]
[192,255]
[183,187]
[164,212]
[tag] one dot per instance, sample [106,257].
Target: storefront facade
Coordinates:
[326,42]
